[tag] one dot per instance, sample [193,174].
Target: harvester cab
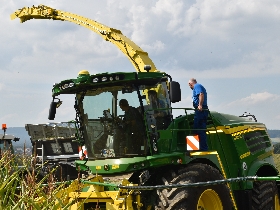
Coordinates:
[109,131]
[106,129]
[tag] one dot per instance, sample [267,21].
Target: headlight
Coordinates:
[67,85]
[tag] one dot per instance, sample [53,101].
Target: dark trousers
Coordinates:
[200,120]
[134,141]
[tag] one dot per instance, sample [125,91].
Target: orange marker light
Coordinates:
[4,126]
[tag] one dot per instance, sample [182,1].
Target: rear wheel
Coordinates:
[213,197]
[264,195]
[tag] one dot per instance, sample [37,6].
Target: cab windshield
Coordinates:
[123,121]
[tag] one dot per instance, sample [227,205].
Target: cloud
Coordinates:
[173,9]
[220,36]
[64,114]
[156,47]
[9,118]
[263,105]
[255,99]
[2,86]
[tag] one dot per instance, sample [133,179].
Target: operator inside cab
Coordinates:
[160,111]
[133,127]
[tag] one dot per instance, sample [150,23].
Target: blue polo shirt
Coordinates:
[197,89]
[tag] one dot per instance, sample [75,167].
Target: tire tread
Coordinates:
[186,198]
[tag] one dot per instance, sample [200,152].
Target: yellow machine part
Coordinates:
[77,196]
[135,54]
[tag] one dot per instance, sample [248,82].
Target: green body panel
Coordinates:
[85,81]
[134,164]
[238,157]
[126,165]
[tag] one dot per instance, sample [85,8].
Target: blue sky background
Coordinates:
[231,47]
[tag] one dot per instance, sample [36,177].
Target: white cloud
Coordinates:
[155,47]
[255,99]
[263,105]
[9,118]
[64,114]
[173,9]
[2,86]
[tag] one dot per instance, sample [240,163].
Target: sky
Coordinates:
[230,47]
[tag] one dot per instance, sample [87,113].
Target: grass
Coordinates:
[276,158]
[22,188]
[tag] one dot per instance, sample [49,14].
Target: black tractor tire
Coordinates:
[263,195]
[191,198]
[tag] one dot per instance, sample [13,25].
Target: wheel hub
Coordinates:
[209,200]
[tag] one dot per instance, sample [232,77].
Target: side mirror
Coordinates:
[175,92]
[53,106]
[147,68]
[52,110]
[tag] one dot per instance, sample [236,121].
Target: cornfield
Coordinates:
[22,188]
[276,158]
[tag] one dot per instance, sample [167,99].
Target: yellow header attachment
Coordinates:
[134,53]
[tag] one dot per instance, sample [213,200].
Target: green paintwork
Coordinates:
[234,152]
[130,164]
[86,81]
[119,166]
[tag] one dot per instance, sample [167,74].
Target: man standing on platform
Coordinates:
[200,117]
